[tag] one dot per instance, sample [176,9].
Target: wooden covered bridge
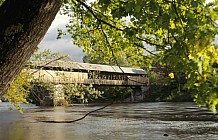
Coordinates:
[62,72]
[67,72]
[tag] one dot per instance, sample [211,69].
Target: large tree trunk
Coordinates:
[23,24]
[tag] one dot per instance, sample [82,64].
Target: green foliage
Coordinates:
[156,78]
[19,90]
[81,93]
[38,91]
[204,80]
[169,93]
[117,93]
[101,42]
[179,30]
[164,88]
[1,2]
[46,56]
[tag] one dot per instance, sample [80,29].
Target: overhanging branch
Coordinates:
[119,29]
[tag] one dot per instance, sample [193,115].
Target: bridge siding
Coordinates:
[63,77]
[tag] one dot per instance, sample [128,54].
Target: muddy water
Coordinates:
[142,121]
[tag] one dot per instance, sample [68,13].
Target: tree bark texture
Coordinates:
[23,24]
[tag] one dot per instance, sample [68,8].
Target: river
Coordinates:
[140,121]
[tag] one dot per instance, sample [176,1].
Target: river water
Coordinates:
[140,121]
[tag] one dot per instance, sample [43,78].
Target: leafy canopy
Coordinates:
[1,1]
[180,31]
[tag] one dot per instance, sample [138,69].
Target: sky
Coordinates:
[64,45]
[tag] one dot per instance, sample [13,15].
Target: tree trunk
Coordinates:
[23,24]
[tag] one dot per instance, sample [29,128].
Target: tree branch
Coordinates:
[99,19]
[116,59]
[41,67]
[177,14]
[79,118]
[144,48]
[112,26]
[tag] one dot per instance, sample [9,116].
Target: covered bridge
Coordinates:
[61,72]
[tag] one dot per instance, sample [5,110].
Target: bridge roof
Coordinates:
[91,67]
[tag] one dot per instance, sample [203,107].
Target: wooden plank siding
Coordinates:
[96,78]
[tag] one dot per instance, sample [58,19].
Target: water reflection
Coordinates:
[120,121]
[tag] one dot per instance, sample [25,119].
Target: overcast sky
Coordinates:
[63,45]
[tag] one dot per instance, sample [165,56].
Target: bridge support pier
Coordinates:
[58,94]
[52,97]
[138,93]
